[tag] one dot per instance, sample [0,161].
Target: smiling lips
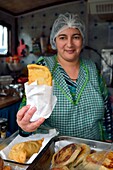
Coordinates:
[70,51]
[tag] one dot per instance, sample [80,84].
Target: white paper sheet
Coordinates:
[40,96]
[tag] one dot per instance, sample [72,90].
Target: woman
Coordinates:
[82,107]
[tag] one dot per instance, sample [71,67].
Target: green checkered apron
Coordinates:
[82,117]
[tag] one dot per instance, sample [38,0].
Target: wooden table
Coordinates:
[9,100]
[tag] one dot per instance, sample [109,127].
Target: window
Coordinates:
[5,38]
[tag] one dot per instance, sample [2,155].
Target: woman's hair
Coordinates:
[64,21]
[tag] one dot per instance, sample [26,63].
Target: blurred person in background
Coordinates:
[28,57]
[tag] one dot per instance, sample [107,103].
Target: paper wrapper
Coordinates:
[40,96]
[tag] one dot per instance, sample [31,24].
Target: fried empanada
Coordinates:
[7,168]
[39,73]
[21,151]
[101,160]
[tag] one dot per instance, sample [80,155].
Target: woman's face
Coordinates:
[69,44]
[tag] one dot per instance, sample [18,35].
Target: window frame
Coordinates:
[4,24]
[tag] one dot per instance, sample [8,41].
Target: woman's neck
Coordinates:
[71,68]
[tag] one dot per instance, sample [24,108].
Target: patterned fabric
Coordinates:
[80,114]
[71,85]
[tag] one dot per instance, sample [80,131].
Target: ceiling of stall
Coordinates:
[19,7]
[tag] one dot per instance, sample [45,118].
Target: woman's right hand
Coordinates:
[23,119]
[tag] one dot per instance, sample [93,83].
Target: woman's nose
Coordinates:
[69,42]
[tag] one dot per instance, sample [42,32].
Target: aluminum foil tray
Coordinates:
[14,166]
[47,133]
[43,161]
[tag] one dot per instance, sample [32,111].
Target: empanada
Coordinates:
[85,150]
[100,160]
[21,151]
[60,168]
[66,155]
[39,73]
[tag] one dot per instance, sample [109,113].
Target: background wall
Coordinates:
[32,25]
[97,31]
[100,35]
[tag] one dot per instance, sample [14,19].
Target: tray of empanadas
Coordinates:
[71,153]
[81,154]
[23,151]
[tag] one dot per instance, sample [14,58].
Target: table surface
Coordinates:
[9,100]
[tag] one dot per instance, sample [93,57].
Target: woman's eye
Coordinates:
[76,37]
[62,38]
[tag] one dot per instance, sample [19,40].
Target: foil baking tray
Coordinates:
[14,165]
[5,146]
[43,161]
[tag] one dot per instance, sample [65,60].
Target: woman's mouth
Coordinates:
[70,51]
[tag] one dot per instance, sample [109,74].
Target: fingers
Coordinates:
[23,119]
[34,125]
[28,115]
[25,113]
[22,112]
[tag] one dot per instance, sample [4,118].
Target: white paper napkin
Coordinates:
[40,96]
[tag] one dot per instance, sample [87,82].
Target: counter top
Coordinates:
[9,100]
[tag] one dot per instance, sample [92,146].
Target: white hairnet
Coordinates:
[64,21]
